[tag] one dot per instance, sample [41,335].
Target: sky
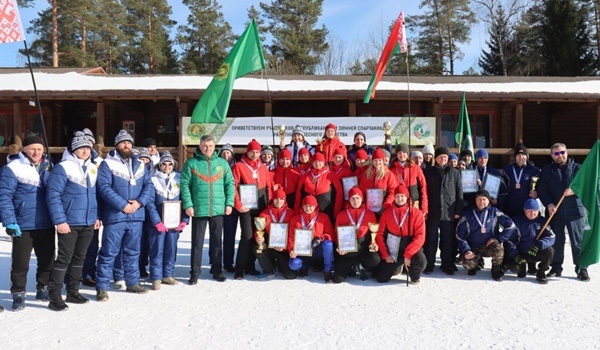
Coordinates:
[349,20]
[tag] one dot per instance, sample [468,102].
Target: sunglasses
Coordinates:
[556,154]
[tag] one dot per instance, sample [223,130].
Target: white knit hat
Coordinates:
[123,135]
[80,141]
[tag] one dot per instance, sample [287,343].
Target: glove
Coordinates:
[534,250]
[181,226]
[520,260]
[315,242]
[13,230]
[161,227]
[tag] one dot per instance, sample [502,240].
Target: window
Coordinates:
[482,127]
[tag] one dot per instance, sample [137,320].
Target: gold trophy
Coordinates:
[534,180]
[281,131]
[387,126]
[261,224]
[373,228]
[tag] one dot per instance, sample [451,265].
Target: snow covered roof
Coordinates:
[71,84]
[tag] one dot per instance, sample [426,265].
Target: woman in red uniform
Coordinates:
[286,177]
[303,164]
[330,143]
[378,176]
[410,175]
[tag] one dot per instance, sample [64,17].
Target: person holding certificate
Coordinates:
[285,177]
[400,239]
[253,189]
[277,218]
[320,241]
[330,143]
[167,223]
[496,199]
[378,184]
[359,217]
[410,175]
[479,236]
[321,183]
[207,195]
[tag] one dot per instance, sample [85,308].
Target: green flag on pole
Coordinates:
[586,186]
[245,57]
[463,135]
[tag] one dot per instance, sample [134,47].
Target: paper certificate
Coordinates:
[171,214]
[374,199]
[393,245]
[249,196]
[348,183]
[278,233]
[491,184]
[347,238]
[303,242]
[469,180]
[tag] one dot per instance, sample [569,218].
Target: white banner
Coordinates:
[239,131]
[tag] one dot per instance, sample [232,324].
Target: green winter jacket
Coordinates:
[207,185]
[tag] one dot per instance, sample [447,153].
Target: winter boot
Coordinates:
[76,298]
[102,295]
[531,268]
[138,289]
[169,280]
[156,285]
[472,272]
[42,294]
[193,280]
[18,301]
[522,271]
[328,276]
[541,277]
[583,275]
[58,305]
[497,273]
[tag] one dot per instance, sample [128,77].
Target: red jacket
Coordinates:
[387,224]
[388,183]
[242,174]
[287,179]
[412,177]
[321,228]
[325,186]
[341,171]
[328,147]
[283,215]
[303,167]
[342,219]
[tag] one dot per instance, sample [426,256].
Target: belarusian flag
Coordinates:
[395,43]
[11,29]
[245,57]
[586,186]
[463,135]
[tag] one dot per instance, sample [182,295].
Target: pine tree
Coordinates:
[205,39]
[107,40]
[254,14]
[500,46]
[297,43]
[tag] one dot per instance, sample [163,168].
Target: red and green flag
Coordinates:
[245,57]
[396,43]
[586,186]
[463,136]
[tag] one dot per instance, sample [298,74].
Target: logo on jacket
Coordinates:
[207,179]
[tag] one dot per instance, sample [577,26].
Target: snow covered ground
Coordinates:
[458,312]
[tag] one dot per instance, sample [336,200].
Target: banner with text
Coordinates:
[239,131]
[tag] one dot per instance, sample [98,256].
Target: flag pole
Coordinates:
[550,218]
[409,144]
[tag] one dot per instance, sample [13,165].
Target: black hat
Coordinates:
[441,150]
[466,152]
[403,147]
[483,193]
[521,149]
[31,140]
[149,142]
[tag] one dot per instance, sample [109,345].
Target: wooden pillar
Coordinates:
[100,121]
[437,107]
[17,123]
[519,123]
[352,108]
[268,109]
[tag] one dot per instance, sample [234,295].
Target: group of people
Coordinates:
[400,208]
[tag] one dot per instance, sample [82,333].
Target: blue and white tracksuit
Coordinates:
[163,245]
[119,182]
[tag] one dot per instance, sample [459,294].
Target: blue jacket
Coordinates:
[554,180]
[167,188]
[516,197]
[524,237]
[468,230]
[116,190]
[23,193]
[71,192]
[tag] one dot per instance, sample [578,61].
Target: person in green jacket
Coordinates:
[207,193]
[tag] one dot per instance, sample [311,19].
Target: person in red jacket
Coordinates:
[410,175]
[303,164]
[249,171]
[330,143]
[310,218]
[341,166]
[324,185]
[360,162]
[401,226]
[378,176]
[277,212]
[356,214]
[286,177]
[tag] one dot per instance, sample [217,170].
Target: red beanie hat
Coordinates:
[378,154]
[339,151]
[355,191]
[361,154]
[318,156]
[285,154]
[253,146]
[401,189]
[279,194]
[331,126]
[311,200]
[303,151]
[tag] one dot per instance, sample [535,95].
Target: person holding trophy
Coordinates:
[330,143]
[272,251]
[298,143]
[400,239]
[358,216]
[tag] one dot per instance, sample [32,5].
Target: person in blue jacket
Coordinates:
[163,240]
[25,216]
[124,186]
[73,207]
[518,179]
[524,246]
[479,236]
[481,159]
[554,183]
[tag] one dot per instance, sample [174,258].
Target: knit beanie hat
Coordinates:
[267,150]
[30,140]
[331,126]
[416,154]
[428,149]
[466,152]
[355,191]
[521,149]
[403,147]
[143,153]
[483,193]
[279,194]
[401,189]
[253,146]
[285,154]
[481,153]
[452,156]
[310,200]
[298,130]
[166,157]
[378,154]
[318,156]
[531,204]
[123,135]
[441,150]
[149,142]
[90,135]
[80,141]
[227,147]
[361,154]
[303,151]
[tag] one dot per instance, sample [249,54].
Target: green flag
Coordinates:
[463,135]
[245,57]
[586,186]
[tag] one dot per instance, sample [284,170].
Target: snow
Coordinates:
[81,82]
[448,312]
